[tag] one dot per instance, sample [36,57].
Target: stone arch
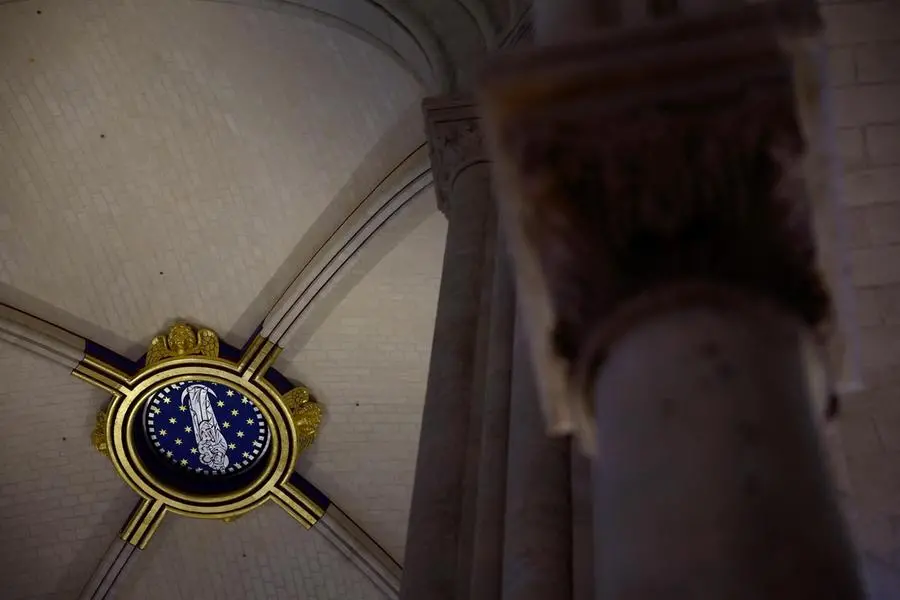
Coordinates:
[386,24]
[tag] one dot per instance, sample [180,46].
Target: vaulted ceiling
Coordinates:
[164,159]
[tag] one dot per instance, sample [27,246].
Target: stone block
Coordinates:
[861,22]
[879,305]
[884,223]
[883,143]
[850,146]
[859,436]
[872,186]
[864,104]
[841,66]
[856,227]
[878,63]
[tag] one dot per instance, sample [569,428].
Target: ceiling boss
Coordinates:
[202,432]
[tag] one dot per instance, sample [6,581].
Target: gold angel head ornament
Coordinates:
[183,340]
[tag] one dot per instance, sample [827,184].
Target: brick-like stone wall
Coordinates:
[162,158]
[864,43]
[61,502]
[264,555]
[368,364]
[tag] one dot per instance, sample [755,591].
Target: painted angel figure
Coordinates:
[211,444]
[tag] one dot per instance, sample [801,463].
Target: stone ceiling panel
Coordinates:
[161,158]
[61,502]
[265,555]
[368,364]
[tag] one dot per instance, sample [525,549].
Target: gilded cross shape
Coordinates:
[201,435]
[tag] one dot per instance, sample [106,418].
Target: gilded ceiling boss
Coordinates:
[242,432]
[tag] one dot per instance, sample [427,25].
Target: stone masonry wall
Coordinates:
[864,42]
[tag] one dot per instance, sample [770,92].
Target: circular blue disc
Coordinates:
[206,427]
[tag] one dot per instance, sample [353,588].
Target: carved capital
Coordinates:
[456,141]
[637,173]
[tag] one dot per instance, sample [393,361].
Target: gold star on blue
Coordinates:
[173,435]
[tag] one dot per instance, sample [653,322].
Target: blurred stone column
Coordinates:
[491,511]
[698,375]
[538,545]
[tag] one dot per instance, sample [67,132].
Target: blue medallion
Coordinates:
[206,427]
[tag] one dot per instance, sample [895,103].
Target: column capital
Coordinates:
[454,131]
[616,149]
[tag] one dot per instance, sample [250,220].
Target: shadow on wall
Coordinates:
[882,580]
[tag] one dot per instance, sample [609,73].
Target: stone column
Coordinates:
[433,563]
[719,447]
[491,512]
[582,525]
[538,545]
[487,551]
[647,187]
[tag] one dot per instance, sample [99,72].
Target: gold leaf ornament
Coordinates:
[98,436]
[182,340]
[306,414]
